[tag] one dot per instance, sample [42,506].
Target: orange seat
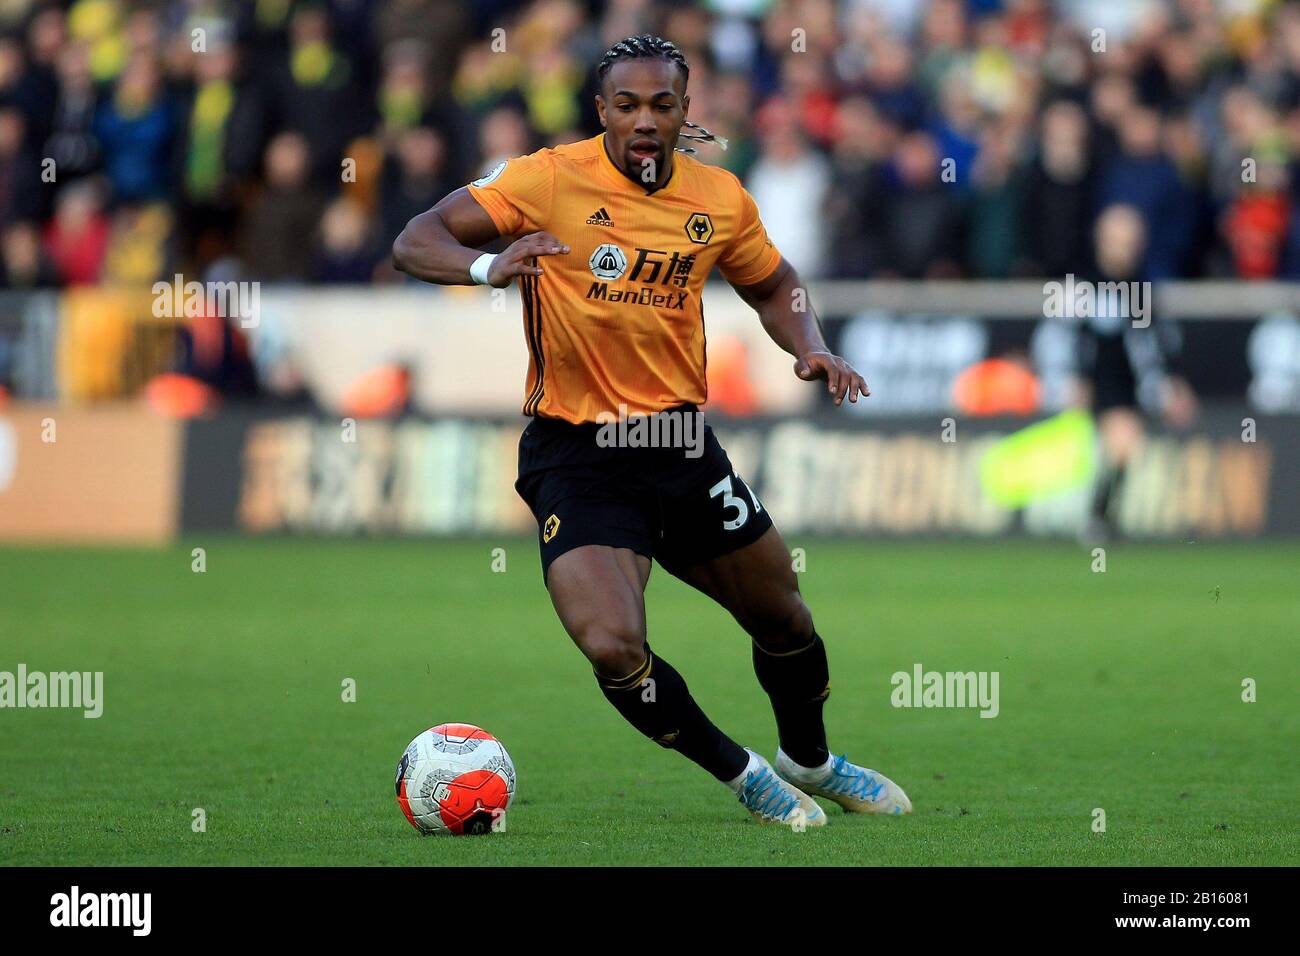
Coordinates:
[996,386]
[731,390]
[380,393]
[180,396]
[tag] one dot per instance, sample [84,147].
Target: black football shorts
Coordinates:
[658,502]
[1110,370]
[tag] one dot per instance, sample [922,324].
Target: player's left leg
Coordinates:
[1121,431]
[758,585]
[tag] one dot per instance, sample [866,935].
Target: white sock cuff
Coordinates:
[799,769]
[753,764]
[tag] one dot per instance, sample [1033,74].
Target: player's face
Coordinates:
[642,109]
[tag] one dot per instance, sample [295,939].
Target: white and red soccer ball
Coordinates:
[455,778]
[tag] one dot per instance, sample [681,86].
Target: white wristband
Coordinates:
[479,270]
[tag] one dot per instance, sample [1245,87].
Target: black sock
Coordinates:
[654,699]
[1104,493]
[798,682]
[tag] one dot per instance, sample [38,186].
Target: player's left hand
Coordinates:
[841,377]
[1179,402]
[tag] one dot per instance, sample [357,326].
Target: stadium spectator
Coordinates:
[1058,193]
[137,126]
[808,92]
[317,93]
[403,101]
[27,77]
[789,182]
[71,140]
[732,109]
[1255,223]
[413,179]
[76,239]
[504,134]
[922,223]
[19,169]
[346,250]
[440,27]
[957,129]
[26,266]
[1141,175]
[284,215]
[992,243]
[224,132]
[864,141]
[891,84]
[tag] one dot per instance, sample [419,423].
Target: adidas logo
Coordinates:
[600,218]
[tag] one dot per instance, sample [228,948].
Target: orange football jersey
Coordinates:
[618,319]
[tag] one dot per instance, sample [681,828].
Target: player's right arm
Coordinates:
[441,244]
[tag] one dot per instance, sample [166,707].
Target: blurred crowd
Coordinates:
[291,141]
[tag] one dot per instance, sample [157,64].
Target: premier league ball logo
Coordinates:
[608,262]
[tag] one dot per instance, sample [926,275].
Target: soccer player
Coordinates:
[615,238]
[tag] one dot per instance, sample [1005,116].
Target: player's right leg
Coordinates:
[598,593]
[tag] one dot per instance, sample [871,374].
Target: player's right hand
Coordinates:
[514,261]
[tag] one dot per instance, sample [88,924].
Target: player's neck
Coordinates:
[665,174]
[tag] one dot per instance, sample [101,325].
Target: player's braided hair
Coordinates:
[647,47]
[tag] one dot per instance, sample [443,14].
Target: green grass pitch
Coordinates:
[1119,690]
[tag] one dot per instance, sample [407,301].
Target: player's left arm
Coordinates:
[785,309]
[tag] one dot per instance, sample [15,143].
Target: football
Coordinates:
[456,779]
